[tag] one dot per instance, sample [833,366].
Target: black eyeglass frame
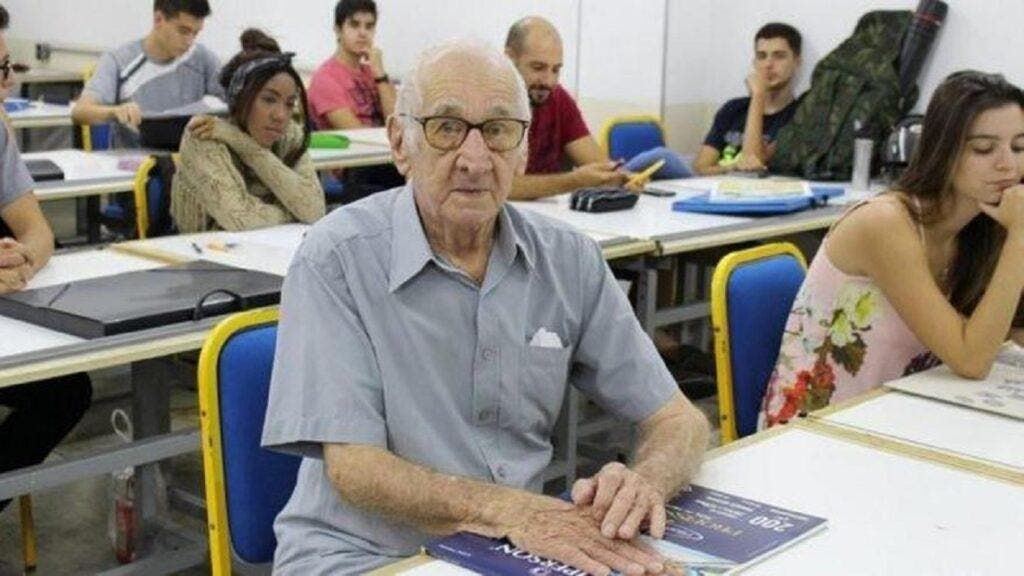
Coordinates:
[470,126]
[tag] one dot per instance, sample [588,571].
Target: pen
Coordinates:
[197,248]
[641,178]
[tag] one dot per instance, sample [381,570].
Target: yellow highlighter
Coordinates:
[642,178]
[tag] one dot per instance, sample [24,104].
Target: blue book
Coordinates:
[709,531]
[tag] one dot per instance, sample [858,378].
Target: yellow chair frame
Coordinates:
[209,413]
[86,128]
[606,129]
[720,325]
[140,195]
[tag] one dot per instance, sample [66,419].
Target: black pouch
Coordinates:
[602,199]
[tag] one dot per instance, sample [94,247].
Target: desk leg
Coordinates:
[647,298]
[151,415]
[92,219]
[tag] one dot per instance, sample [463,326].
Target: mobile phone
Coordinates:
[659,193]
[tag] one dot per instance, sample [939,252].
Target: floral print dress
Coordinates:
[842,338]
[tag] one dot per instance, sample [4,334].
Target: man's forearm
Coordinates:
[89,113]
[533,186]
[671,446]
[430,501]
[753,129]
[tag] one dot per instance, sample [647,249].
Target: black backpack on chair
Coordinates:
[855,90]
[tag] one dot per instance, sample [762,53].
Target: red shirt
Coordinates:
[335,86]
[555,123]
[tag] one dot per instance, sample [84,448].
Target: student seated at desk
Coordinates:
[351,89]
[253,170]
[167,69]
[743,134]
[931,270]
[38,414]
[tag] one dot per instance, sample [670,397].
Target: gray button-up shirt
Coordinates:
[383,343]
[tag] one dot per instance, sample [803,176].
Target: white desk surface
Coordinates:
[887,513]
[949,428]
[377,136]
[654,220]
[40,74]
[18,337]
[357,154]
[267,250]
[85,173]
[42,115]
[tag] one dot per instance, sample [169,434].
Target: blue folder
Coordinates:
[701,203]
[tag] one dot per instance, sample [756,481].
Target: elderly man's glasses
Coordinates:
[449,132]
[6,67]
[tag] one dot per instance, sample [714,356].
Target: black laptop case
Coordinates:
[143,299]
[43,170]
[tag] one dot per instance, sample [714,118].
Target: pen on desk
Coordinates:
[641,178]
[197,248]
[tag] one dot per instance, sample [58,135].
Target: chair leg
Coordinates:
[28,532]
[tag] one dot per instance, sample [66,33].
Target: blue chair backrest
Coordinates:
[628,139]
[101,135]
[759,296]
[257,482]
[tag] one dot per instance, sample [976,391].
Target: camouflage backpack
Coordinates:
[857,84]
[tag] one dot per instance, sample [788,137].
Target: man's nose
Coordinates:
[474,156]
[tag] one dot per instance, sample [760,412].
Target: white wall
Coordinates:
[303,26]
[710,47]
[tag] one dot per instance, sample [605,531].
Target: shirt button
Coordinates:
[502,472]
[488,354]
[485,415]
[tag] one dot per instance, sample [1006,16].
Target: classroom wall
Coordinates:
[710,48]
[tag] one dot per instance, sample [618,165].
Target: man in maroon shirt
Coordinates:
[557,134]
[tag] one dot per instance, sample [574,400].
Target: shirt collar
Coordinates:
[410,251]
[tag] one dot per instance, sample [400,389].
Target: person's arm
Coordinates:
[343,119]
[30,249]
[706,163]
[297,188]
[670,450]
[385,89]
[886,246]
[88,110]
[444,504]
[753,154]
[593,169]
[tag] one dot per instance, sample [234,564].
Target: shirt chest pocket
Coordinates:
[543,377]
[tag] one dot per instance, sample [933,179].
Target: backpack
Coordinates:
[855,85]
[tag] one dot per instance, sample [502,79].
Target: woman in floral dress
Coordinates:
[930,271]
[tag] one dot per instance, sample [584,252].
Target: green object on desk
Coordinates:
[328,140]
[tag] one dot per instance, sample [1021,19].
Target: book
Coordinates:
[757,190]
[709,531]
[1001,392]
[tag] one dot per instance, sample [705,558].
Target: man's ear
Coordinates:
[396,137]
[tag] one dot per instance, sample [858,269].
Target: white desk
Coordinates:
[888,513]
[945,428]
[39,74]
[85,173]
[356,154]
[41,115]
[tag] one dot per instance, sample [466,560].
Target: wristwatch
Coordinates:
[380,79]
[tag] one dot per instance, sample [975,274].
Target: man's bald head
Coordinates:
[535,47]
[530,28]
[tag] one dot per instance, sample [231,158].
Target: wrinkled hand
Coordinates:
[601,174]
[571,535]
[203,127]
[622,500]
[757,83]
[128,114]
[1009,213]
[748,163]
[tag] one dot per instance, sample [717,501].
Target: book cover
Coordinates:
[758,190]
[709,531]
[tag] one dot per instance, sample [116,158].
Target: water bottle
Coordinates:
[126,526]
[863,146]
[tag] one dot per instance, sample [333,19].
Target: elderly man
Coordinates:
[427,340]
